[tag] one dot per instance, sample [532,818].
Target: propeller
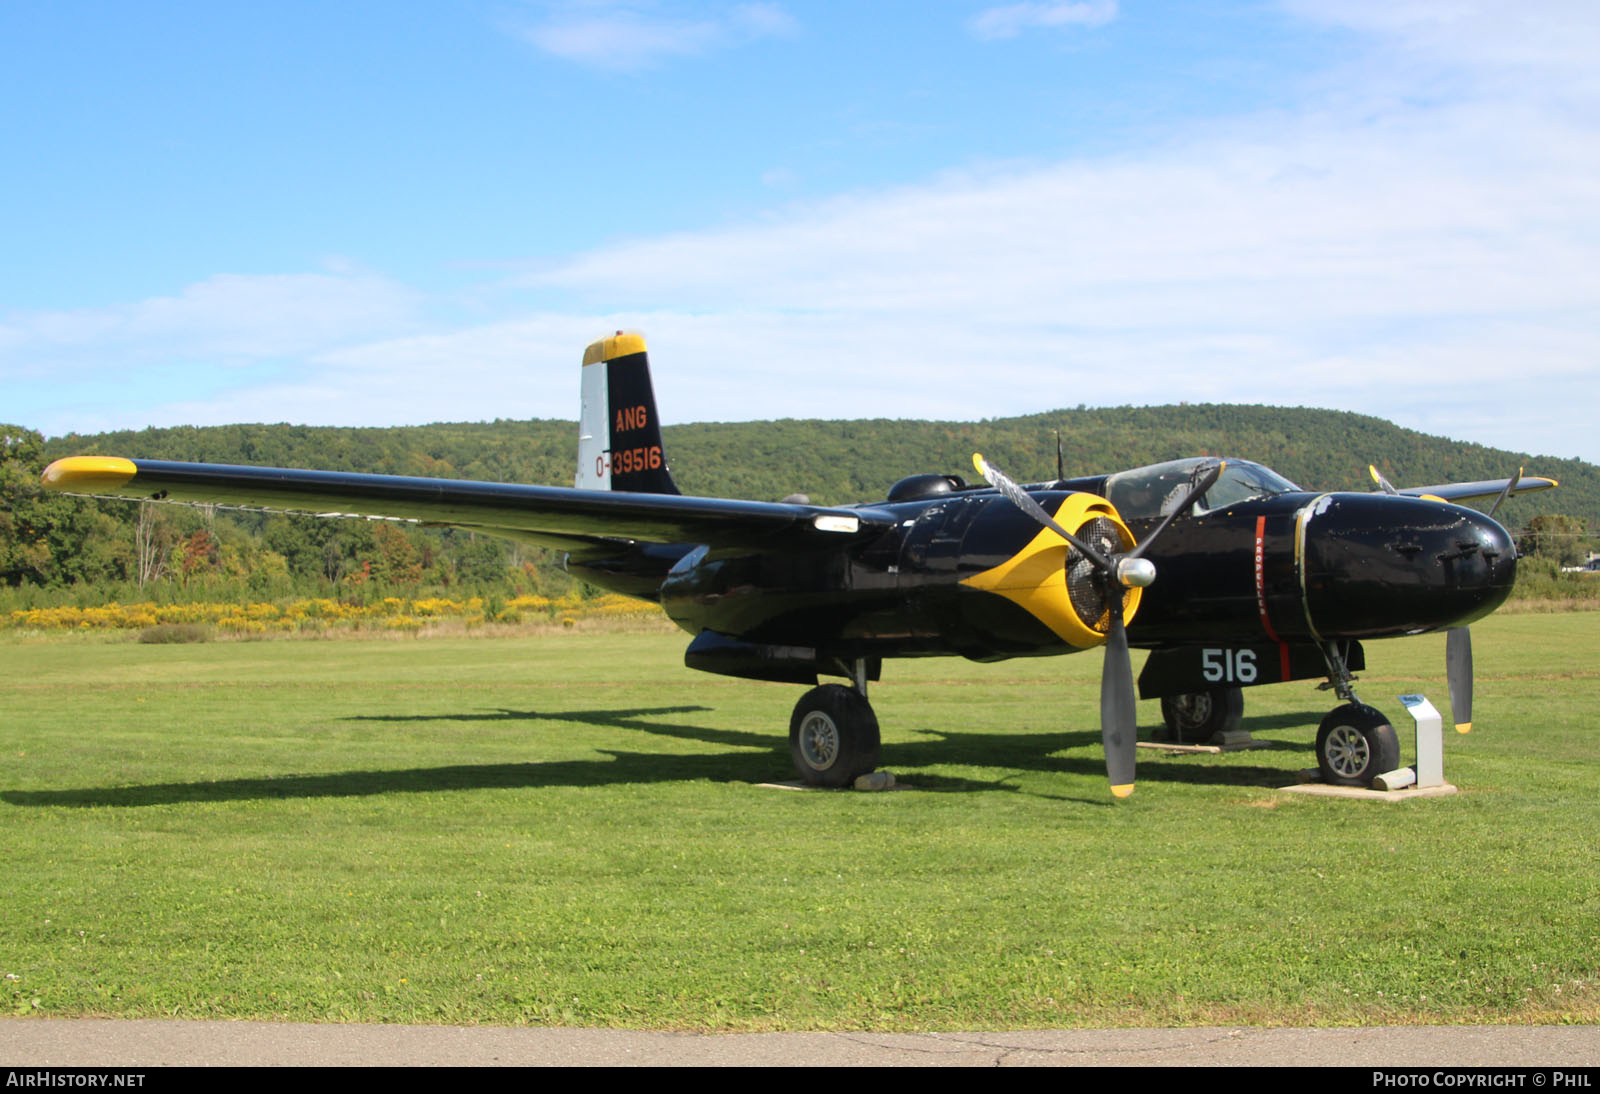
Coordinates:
[1116,571]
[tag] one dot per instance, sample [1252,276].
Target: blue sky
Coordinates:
[369,214]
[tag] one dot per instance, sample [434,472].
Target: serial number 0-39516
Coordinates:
[622,461]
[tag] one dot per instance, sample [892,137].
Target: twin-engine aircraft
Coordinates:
[1229,574]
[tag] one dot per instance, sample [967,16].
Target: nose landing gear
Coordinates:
[1356,744]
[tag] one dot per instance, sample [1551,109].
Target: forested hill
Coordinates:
[842,461]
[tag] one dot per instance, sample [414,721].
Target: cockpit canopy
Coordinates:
[1149,492]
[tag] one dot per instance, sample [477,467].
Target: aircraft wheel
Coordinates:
[833,736]
[1355,745]
[1198,716]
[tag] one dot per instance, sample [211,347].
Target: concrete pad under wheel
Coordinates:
[1324,790]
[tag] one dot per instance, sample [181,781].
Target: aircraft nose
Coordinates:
[1376,565]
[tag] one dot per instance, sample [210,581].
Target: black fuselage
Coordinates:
[1294,567]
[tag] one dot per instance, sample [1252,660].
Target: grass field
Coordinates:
[568,829]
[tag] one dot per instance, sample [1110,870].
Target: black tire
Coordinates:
[1355,745]
[1197,717]
[833,736]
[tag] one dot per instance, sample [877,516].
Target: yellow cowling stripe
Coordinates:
[89,474]
[1035,577]
[609,349]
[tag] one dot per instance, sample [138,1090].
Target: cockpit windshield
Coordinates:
[1154,491]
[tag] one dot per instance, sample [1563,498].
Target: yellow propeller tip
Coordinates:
[1463,727]
[977,461]
[1122,791]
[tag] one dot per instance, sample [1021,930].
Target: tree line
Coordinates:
[53,546]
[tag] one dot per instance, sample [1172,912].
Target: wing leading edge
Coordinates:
[551,516]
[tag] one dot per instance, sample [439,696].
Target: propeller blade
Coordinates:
[1118,712]
[1383,483]
[1506,493]
[1019,497]
[1197,490]
[1458,668]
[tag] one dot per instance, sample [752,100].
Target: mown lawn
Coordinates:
[569,829]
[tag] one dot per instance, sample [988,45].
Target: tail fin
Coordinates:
[619,435]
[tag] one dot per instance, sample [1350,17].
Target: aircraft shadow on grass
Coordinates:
[761,758]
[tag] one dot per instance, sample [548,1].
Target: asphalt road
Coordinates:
[43,1042]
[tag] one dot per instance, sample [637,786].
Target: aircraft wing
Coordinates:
[1487,488]
[549,515]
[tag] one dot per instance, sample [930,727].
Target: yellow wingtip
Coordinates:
[89,474]
[1122,791]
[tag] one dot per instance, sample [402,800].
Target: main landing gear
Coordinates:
[1197,717]
[833,734]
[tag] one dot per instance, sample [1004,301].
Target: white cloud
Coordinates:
[1485,34]
[1322,223]
[227,318]
[633,36]
[760,20]
[1010,20]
